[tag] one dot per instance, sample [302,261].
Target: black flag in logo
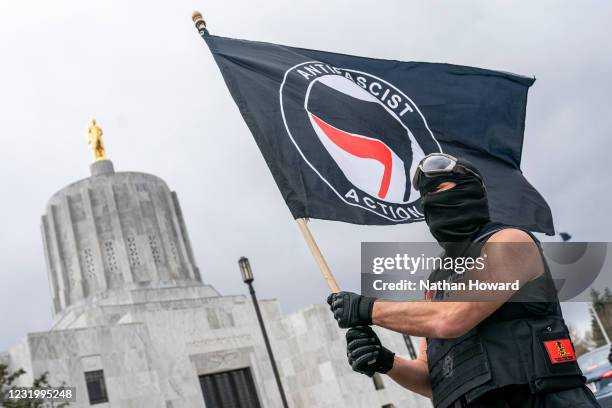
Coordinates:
[342,135]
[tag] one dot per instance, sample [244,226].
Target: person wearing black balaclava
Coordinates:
[497,351]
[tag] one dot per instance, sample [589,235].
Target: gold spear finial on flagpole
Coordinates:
[199,22]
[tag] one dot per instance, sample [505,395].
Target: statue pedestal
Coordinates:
[100,167]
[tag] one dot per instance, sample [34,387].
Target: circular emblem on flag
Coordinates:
[360,134]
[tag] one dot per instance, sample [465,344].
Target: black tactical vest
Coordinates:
[520,343]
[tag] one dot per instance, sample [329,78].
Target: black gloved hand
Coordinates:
[351,309]
[365,353]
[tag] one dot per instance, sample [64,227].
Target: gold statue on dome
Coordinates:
[95,141]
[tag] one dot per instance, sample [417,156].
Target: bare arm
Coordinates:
[450,319]
[413,374]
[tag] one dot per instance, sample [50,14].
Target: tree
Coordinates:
[602,303]
[7,383]
[582,342]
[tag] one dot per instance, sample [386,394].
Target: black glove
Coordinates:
[351,309]
[365,353]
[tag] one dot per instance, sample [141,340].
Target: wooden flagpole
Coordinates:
[318,256]
[301,222]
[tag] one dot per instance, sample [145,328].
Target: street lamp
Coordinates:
[245,270]
[247,277]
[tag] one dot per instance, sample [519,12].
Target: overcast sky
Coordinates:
[140,68]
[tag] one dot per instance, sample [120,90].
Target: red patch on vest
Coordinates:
[560,351]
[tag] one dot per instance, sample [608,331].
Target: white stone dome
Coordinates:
[115,231]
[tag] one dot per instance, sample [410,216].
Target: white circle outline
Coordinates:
[280,93]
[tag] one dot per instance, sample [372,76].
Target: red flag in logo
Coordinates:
[363,147]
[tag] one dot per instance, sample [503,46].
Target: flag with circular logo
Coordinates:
[342,135]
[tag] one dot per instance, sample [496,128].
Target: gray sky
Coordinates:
[141,69]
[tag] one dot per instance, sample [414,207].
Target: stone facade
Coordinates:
[129,299]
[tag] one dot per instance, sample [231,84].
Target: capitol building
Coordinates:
[136,324]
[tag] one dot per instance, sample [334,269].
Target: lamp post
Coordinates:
[247,277]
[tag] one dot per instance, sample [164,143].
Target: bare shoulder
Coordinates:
[522,260]
[511,235]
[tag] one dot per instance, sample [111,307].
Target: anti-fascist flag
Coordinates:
[342,135]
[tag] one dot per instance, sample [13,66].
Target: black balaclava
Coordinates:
[455,215]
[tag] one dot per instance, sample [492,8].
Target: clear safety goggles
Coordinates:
[439,163]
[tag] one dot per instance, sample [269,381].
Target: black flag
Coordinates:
[342,135]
